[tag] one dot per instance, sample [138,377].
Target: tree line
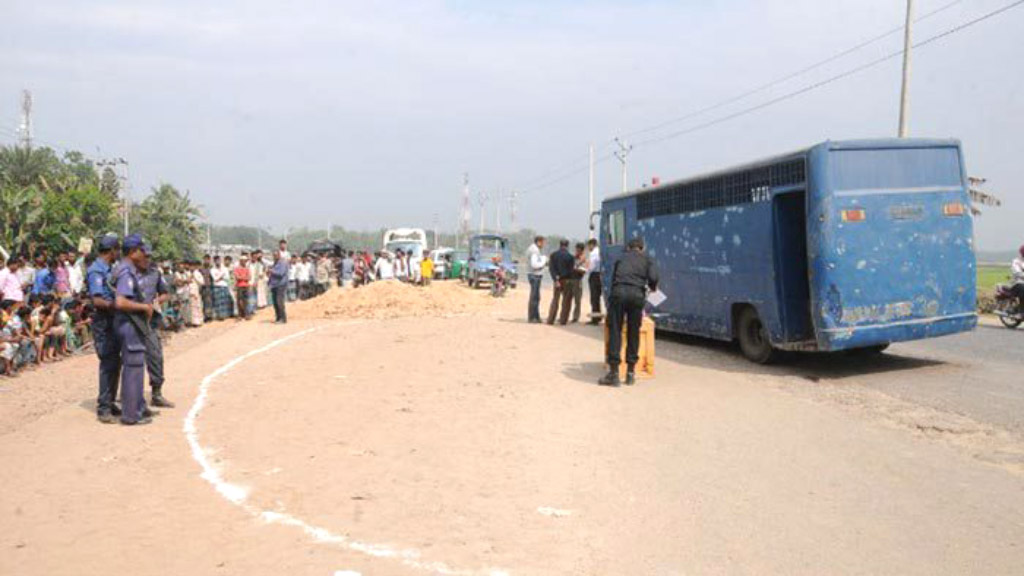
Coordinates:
[49,201]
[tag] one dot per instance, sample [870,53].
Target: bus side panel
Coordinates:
[711,260]
[889,262]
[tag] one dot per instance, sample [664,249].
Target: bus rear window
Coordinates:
[895,169]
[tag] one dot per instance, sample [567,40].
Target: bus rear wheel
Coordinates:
[753,337]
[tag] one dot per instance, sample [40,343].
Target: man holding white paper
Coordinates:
[632,275]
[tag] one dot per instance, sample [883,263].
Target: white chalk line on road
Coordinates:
[237,494]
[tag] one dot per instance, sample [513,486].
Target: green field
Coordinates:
[989,276]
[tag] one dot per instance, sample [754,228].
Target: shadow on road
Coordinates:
[717,355]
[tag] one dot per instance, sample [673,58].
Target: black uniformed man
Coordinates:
[632,275]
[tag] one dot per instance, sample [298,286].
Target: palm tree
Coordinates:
[23,167]
[170,221]
[21,211]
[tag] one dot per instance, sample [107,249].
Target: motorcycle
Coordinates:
[1008,306]
[500,284]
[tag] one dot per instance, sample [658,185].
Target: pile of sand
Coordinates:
[382,300]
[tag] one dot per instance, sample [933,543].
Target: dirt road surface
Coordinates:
[465,441]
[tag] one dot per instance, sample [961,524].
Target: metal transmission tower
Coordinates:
[513,210]
[25,130]
[465,212]
[482,200]
[621,154]
[120,169]
[497,211]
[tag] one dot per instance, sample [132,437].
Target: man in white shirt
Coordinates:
[303,276]
[27,274]
[76,275]
[594,280]
[293,279]
[414,267]
[10,284]
[1017,277]
[385,267]
[401,266]
[221,295]
[1017,268]
[536,264]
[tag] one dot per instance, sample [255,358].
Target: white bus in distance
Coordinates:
[407,240]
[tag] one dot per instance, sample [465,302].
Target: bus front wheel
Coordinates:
[753,337]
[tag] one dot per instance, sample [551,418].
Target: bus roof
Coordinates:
[864,144]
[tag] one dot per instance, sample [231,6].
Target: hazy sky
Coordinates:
[367,114]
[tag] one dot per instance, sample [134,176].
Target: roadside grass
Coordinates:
[989,276]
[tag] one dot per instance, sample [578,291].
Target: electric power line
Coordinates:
[785,78]
[831,79]
[572,165]
[571,168]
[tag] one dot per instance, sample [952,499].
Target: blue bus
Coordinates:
[841,246]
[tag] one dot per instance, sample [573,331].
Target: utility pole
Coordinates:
[328,230]
[905,92]
[482,200]
[465,212]
[25,129]
[621,154]
[127,196]
[437,244]
[590,211]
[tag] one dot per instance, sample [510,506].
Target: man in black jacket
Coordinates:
[632,275]
[561,265]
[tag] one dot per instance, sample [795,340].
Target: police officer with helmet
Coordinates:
[633,273]
[131,322]
[108,348]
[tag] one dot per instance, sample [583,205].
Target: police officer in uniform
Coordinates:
[108,349]
[131,322]
[632,275]
[154,292]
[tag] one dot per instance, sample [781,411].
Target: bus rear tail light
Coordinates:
[856,215]
[953,209]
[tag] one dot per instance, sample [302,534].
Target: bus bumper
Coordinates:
[845,338]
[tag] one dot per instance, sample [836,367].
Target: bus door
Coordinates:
[789,215]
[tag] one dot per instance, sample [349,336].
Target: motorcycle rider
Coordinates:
[1017,278]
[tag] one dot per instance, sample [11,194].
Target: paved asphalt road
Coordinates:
[979,374]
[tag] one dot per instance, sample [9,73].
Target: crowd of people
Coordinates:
[569,271]
[43,316]
[632,276]
[120,302]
